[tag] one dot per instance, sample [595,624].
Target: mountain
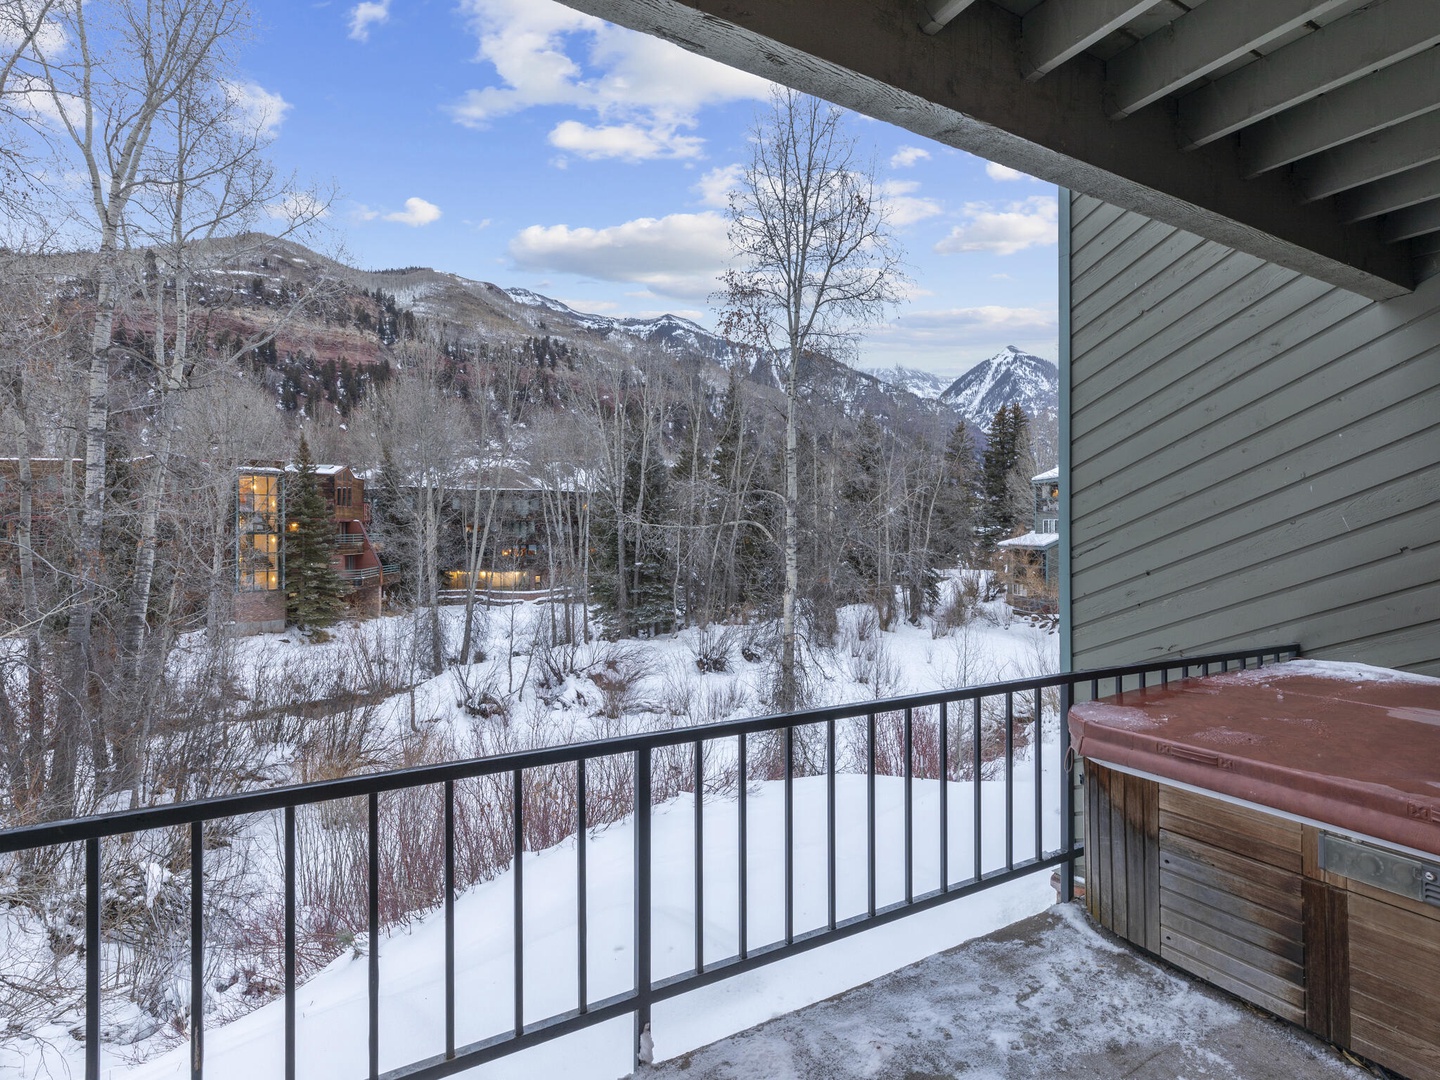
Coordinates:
[670,332]
[923,384]
[1011,376]
[360,317]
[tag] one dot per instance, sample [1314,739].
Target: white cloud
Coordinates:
[715,186]
[1028,223]
[1003,172]
[907,156]
[628,80]
[629,142]
[963,324]
[902,206]
[953,339]
[590,307]
[680,255]
[298,207]
[366,14]
[260,109]
[417,212]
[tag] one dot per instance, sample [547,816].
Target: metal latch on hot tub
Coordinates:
[1382,868]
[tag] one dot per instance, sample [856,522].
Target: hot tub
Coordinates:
[1276,831]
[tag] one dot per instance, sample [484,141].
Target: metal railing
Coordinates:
[367,574]
[1022,704]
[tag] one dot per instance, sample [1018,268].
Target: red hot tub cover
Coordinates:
[1347,745]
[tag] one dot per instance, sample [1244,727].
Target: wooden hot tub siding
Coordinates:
[1237,897]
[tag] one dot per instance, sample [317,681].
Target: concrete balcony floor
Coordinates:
[1046,997]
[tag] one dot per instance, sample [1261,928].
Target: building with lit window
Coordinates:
[260,528]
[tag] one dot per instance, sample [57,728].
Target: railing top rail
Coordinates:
[252,802]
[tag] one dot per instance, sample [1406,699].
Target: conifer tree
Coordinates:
[744,571]
[1006,452]
[314,593]
[649,573]
[955,501]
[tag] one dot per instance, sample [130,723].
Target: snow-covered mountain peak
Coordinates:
[925,385]
[1011,376]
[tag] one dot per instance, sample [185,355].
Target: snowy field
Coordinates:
[519,696]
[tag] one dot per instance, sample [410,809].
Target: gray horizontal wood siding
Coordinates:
[1254,455]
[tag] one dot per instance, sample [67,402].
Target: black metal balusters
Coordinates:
[977,750]
[448,884]
[92,958]
[908,730]
[789,782]
[1067,798]
[944,797]
[699,857]
[374,958]
[582,899]
[1009,780]
[517,875]
[870,809]
[643,922]
[289,824]
[1038,747]
[197,950]
[742,869]
[830,846]
[640,748]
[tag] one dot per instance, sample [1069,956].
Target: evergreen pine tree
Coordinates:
[748,571]
[314,593]
[1007,450]
[955,501]
[650,570]
[863,498]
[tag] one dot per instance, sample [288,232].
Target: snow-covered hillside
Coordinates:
[1011,376]
[923,384]
[668,331]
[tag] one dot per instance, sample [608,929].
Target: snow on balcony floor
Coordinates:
[1047,996]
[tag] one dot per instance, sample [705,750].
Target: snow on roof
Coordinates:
[1032,540]
[1051,474]
[320,470]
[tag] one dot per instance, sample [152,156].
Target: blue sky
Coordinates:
[519,142]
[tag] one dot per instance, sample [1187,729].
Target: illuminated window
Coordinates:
[257,529]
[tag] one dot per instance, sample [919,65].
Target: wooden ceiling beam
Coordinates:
[1386,153]
[1390,96]
[1347,49]
[1060,30]
[1203,40]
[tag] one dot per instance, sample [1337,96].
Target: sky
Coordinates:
[523,143]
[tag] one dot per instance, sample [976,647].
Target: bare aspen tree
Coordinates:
[208,175]
[110,71]
[813,261]
[605,399]
[422,430]
[22,22]
[485,493]
[32,344]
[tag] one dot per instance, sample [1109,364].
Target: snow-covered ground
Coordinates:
[527,692]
